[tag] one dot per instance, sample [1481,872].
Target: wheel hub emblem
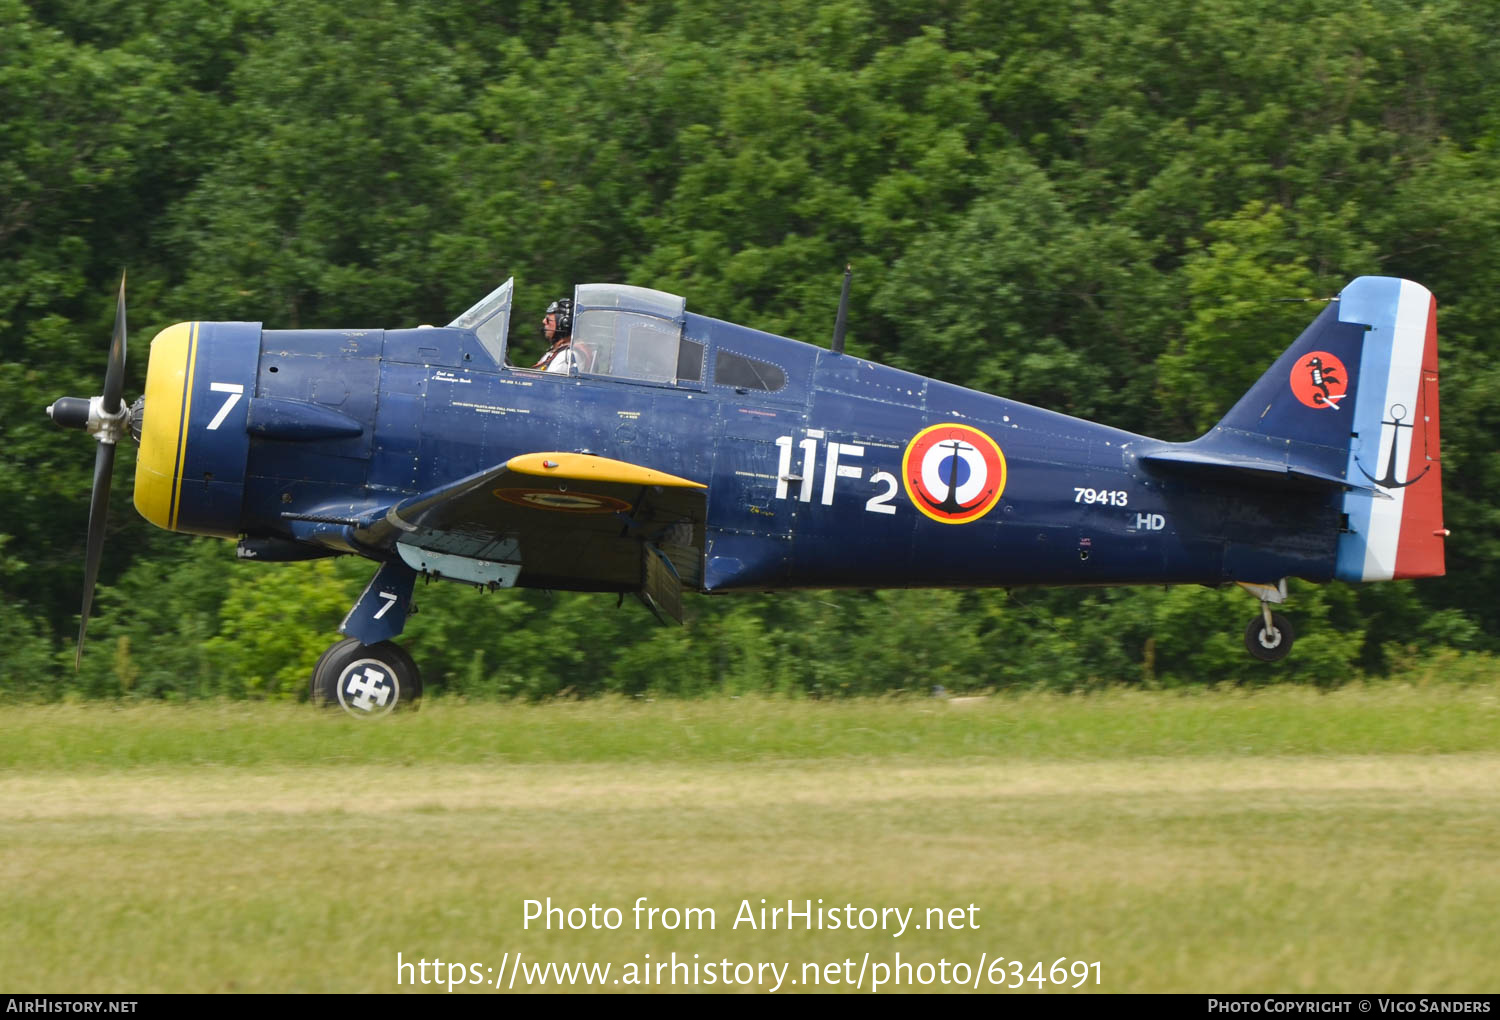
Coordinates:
[367,687]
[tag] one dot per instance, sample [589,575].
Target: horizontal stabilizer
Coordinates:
[1263,471]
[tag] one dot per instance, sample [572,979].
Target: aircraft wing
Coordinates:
[557,520]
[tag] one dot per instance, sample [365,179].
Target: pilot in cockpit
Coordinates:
[557,329]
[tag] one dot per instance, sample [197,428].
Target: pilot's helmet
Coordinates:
[563,309]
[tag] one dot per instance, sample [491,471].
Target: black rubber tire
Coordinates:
[1269,648]
[367,681]
[317,683]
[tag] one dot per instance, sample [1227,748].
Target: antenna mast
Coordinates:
[840,322]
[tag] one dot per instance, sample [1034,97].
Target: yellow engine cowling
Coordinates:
[190,471]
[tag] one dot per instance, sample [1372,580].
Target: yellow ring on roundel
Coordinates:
[953,473]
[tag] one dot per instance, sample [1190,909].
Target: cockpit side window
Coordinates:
[731,369]
[626,345]
[690,361]
[633,333]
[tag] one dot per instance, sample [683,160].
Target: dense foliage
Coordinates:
[1117,210]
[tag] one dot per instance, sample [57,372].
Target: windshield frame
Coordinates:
[489,319]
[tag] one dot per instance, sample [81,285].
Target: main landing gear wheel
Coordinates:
[1269,637]
[366,680]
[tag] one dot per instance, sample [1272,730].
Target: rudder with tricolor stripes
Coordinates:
[1396,530]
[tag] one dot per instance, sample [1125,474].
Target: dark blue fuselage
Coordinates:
[812,483]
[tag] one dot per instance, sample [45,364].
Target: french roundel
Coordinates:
[953,473]
[564,502]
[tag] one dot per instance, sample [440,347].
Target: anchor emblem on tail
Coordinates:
[1389,479]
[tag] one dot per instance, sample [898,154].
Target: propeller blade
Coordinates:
[104,462]
[114,375]
[98,516]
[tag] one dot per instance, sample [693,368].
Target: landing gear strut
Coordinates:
[366,680]
[1269,636]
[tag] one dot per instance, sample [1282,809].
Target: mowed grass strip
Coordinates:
[1276,840]
[1235,873]
[1116,724]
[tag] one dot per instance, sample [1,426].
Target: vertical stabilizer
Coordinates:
[1352,405]
[1298,416]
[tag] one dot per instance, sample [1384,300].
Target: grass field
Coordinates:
[1281,840]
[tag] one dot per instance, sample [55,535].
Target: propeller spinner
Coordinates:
[107,419]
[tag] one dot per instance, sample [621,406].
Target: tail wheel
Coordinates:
[1269,644]
[366,680]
